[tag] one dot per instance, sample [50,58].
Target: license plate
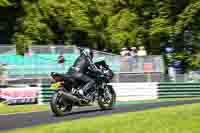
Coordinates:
[55,85]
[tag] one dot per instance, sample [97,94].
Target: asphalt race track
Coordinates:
[8,122]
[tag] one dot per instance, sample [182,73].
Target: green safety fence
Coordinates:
[178,90]
[45,94]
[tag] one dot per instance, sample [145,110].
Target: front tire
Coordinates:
[106,102]
[58,106]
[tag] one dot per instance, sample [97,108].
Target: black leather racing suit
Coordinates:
[78,70]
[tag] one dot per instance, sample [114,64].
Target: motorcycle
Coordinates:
[67,92]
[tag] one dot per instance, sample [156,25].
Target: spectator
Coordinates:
[133,51]
[142,51]
[124,52]
[131,61]
[134,59]
[141,54]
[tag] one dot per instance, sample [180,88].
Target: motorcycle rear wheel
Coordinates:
[58,106]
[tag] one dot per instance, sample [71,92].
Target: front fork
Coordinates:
[104,91]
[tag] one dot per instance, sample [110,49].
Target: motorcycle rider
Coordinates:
[78,70]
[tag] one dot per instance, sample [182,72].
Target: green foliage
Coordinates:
[5,3]
[22,43]
[107,23]
[194,62]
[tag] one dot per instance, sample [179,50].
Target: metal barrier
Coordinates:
[141,91]
[154,77]
[138,77]
[7,49]
[178,90]
[124,92]
[153,63]
[119,78]
[45,94]
[37,69]
[41,60]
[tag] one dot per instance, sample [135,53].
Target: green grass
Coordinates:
[180,119]
[157,100]
[6,109]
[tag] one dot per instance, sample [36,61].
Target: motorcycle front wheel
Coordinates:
[58,105]
[107,98]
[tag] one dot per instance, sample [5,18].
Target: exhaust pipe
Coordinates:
[69,97]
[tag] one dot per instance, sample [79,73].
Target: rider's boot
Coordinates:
[84,95]
[86,91]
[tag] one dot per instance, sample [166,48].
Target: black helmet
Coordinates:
[87,52]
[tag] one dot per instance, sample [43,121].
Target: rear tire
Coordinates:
[58,106]
[106,104]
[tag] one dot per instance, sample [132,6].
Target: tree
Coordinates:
[5,3]
[108,23]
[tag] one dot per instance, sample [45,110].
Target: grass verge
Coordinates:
[7,109]
[179,119]
[157,100]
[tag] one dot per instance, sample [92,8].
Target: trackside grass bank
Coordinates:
[6,109]
[179,119]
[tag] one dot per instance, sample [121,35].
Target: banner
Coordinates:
[22,95]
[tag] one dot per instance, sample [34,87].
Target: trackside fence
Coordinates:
[140,91]
[178,90]
[42,93]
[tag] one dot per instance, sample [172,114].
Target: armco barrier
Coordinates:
[178,90]
[124,91]
[136,91]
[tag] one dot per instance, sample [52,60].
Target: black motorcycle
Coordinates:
[67,91]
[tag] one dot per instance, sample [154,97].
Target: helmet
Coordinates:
[87,52]
[53,74]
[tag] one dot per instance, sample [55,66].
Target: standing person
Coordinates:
[124,59]
[130,60]
[133,51]
[141,58]
[142,51]
[134,59]
[124,52]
